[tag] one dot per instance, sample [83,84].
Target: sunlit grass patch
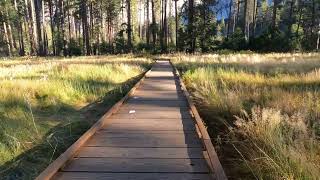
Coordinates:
[262,110]
[43,105]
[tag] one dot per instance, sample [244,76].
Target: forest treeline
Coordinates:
[91,27]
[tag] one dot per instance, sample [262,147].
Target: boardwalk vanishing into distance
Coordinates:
[152,135]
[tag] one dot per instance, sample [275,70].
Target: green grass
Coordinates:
[262,111]
[45,105]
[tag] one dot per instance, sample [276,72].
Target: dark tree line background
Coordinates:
[92,27]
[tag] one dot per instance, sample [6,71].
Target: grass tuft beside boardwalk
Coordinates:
[262,110]
[45,105]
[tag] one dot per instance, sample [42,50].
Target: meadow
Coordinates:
[47,103]
[262,111]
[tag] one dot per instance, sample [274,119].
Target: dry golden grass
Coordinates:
[266,108]
[42,105]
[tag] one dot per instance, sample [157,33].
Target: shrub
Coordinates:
[143,47]
[236,41]
[74,49]
[106,48]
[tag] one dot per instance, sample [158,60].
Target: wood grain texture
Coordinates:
[149,125]
[137,165]
[172,107]
[160,95]
[130,176]
[161,139]
[150,114]
[164,153]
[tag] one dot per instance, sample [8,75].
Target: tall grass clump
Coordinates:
[261,110]
[47,104]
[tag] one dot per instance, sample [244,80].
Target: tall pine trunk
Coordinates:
[20,30]
[86,40]
[191,27]
[129,29]
[274,14]
[148,23]
[52,28]
[38,24]
[245,20]
[154,31]
[177,24]
[165,27]
[254,15]
[7,38]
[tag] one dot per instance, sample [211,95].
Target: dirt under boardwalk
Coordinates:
[151,137]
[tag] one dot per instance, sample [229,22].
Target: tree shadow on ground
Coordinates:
[33,161]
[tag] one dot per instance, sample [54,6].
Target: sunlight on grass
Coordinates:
[262,110]
[41,103]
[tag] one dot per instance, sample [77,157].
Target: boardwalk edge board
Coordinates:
[56,165]
[215,165]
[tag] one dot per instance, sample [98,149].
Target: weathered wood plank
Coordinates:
[130,176]
[137,165]
[173,95]
[179,121]
[147,124]
[159,83]
[158,88]
[172,107]
[161,139]
[149,114]
[165,153]
[158,103]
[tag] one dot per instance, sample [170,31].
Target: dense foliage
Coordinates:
[74,27]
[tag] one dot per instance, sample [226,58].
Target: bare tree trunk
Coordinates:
[38,12]
[91,27]
[290,18]
[318,40]
[86,40]
[129,29]
[234,17]
[11,36]
[165,26]
[274,16]
[52,28]
[313,17]
[29,20]
[63,31]
[245,22]
[148,23]
[154,33]
[300,16]
[102,25]
[69,22]
[190,26]
[9,32]
[20,30]
[238,12]
[254,15]
[161,25]
[44,32]
[7,38]
[177,24]
[230,16]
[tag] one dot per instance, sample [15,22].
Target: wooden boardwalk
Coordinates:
[151,136]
